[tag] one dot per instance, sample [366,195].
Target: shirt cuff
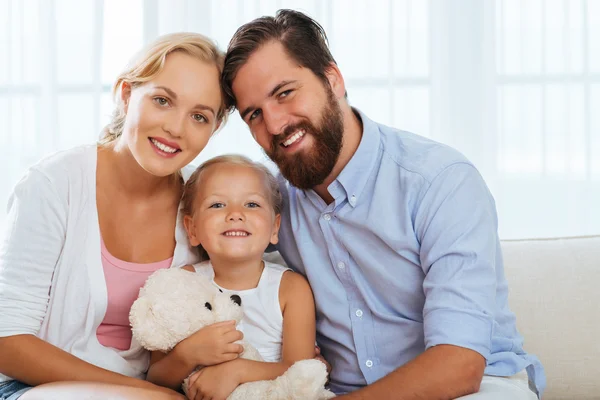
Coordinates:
[462,328]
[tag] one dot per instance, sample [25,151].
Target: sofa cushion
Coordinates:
[553,290]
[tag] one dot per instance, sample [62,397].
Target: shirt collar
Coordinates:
[355,174]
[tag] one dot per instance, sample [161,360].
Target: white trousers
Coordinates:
[514,387]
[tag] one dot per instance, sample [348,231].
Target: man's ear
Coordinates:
[125,94]
[188,223]
[336,80]
[276,225]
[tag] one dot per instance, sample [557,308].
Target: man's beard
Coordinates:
[310,167]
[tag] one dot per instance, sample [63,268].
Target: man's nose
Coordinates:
[276,119]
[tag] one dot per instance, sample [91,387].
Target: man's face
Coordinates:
[292,114]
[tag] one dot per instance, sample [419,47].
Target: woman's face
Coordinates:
[170,119]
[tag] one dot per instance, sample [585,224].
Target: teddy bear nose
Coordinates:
[236,299]
[207,305]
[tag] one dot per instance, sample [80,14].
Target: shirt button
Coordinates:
[369,363]
[341,265]
[359,313]
[327,217]
[353,200]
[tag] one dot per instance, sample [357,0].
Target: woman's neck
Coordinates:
[237,275]
[123,170]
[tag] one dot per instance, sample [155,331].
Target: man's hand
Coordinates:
[213,344]
[215,383]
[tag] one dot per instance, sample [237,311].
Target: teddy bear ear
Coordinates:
[236,299]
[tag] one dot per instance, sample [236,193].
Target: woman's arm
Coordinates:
[34,362]
[35,235]
[299,332]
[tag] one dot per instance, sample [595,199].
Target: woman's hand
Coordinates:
[213,344]
[215,383]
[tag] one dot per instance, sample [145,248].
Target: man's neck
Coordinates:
[352,135]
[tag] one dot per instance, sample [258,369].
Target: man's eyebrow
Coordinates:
[271,94]
[174,96]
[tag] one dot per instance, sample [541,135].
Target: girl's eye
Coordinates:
[199,118]
[161,101]
[252,204]
[217,205]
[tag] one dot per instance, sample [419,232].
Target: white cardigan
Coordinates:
[51,277]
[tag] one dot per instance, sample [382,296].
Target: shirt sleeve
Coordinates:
[32,244]
[456,224]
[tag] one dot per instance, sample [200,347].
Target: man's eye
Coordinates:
[217,205]
[255,114]
[285,93]
[161,101]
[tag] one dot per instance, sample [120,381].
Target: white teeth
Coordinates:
[163,147]
[236,233]
[294,138]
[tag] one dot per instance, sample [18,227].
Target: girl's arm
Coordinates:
[213,344]
[299,332]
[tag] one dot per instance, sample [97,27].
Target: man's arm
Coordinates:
[441,372]
[456,226]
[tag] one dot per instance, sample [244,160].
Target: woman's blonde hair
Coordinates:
[149,62]
[191,186]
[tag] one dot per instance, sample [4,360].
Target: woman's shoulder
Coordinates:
[60,170]
[66,162]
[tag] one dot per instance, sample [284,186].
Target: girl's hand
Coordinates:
[213,344]
[319,357]
[215,383]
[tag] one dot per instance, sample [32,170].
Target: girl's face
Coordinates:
[233,217]
[170,119]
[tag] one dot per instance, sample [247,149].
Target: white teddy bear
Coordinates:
[175,303]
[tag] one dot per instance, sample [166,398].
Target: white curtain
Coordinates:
[513,84]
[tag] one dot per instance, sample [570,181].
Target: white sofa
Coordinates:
[554,287]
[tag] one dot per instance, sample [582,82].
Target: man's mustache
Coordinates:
[288,132]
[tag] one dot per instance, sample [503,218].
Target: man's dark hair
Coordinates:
[303,39]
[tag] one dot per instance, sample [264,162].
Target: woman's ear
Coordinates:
[275,233]
[188,223]
[125,94]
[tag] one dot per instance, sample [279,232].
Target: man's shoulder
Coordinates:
[415,154]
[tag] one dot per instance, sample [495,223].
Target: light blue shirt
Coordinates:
[406,257]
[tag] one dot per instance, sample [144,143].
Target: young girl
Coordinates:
[231,208]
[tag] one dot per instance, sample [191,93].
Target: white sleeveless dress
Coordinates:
[262,324]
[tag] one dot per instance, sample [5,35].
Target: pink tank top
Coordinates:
[123,282]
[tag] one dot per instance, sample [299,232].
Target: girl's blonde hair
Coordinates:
[149,62]
[191,186]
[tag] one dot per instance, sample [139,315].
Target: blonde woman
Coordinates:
[88,225]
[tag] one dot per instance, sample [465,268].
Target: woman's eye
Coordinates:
[217,205]
[161,101]
[199,118]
